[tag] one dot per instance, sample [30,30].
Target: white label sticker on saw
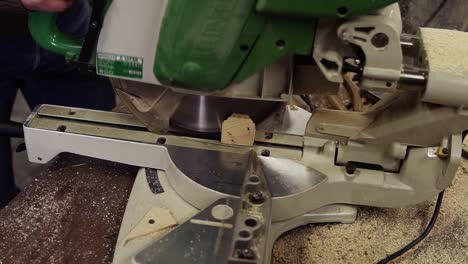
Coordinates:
[119,66]
[432,152]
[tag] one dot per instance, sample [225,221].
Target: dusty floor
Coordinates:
[378,232]
[70,214]
[42,224]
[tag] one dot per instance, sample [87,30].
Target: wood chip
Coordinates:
[238,130]
[155,220]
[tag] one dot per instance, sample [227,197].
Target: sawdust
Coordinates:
[379,232]
[70,214]
[447,50]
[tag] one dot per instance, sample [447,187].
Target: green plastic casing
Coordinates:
[209,44]
[318,8]
[44,30]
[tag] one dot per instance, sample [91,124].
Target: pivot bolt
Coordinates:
[380,40]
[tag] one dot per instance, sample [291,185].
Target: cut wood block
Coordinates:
[238,130]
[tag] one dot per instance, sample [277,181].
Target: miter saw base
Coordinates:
[152,191]
[230,203]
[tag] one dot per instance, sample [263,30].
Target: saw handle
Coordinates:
[44,30]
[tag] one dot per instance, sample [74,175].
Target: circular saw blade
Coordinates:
[162,110]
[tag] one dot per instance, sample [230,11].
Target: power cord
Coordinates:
[435,13]
[421,237]
[11,129]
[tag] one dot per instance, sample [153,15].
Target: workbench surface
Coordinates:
[72,214]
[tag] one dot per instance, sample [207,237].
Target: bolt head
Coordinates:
[345,35]
[246,253]
[350,168]
[257,198]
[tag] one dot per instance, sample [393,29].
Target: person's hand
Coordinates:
[47,5]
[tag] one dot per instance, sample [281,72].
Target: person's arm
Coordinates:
[21,6]
[12,6]
[47,5]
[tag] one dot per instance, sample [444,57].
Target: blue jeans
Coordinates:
[45,78]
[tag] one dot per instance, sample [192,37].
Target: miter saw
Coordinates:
[182,68]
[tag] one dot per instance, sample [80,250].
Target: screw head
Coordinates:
[265,153]
[380,40]
[345,35]
[350,168]
[257,198]
[268,136]
[161,140]
[91,68]
[94,24]
[246,253]
[445,151]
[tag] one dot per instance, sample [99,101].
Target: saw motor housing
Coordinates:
[205,45]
